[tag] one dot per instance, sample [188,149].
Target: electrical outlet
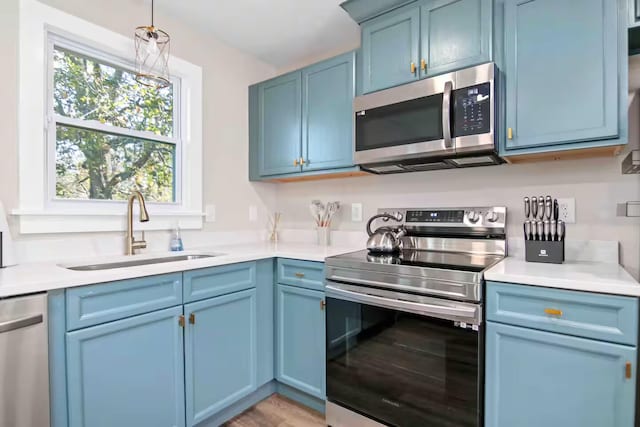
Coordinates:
[253,213]
[567,210]
[210,213]
[356,212]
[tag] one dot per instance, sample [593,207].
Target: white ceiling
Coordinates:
[279,32]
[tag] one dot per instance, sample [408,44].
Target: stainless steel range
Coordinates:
[405,339]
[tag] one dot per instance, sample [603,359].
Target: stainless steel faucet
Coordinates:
[131,243]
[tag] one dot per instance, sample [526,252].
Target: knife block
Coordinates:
[550,252]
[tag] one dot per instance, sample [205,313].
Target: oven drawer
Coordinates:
[306,274]
[597,316]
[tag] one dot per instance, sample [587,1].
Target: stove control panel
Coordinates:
[473,217]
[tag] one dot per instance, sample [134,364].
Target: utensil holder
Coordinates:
[550,252]
[324,236]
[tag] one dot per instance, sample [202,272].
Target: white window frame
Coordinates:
[40,211]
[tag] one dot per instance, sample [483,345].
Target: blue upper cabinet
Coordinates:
[279,125]
[563,75]
[454,34]
[390,49]
[127,373]
[327,119]
[300,335]
[537,378]
[220,353]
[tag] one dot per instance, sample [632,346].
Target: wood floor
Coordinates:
[278,411]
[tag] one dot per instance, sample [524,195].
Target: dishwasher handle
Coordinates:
[23,322]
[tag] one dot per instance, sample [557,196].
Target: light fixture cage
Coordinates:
[152,56]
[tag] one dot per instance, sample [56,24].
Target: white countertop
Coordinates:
[609,278]
[45,276]
[600,277]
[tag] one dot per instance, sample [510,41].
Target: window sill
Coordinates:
[55,222]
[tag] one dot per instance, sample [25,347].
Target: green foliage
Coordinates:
[96,165]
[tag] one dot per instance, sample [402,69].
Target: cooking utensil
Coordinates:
[562,230]
[541,207]
[527,230]
[534,207]
[540,230]
[527,207]
[556,209]
[548,207]
[554,230]
[547,230]
[384,239]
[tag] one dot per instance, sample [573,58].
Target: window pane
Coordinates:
[87,89]
[102,166]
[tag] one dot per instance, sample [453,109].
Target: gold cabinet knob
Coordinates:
[192,319]
[299,275]
[510,133]
[302,161]
[423,65]
[627,370]
[553,312]
[322,304]
[413,68]
[295,162]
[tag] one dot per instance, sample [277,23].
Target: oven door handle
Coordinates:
[446,115]
[460,313]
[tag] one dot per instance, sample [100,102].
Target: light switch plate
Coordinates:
[356,212]
[210,213]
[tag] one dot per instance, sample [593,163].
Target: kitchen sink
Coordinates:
[136,262]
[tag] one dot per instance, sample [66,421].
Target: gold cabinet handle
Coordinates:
[295,162]
[299,275]
[323,304]
[627,370]
[510,133]
[553,312]
[413,68]
[423,65]
[181,321]
[192,319]
[302,161]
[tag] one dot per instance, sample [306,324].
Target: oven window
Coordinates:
[402,369]
[407,122]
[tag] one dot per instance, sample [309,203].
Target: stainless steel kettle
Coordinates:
[384,239]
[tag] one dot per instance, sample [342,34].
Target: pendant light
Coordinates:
[152,55]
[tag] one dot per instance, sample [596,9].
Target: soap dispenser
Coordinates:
[176,240]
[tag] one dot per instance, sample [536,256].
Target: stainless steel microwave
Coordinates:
[446,121]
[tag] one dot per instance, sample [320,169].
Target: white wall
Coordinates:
[596,184]
[227,73]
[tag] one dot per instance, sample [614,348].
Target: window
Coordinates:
[112,135]
[105,134]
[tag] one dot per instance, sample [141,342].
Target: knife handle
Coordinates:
[534,207]
[527,207]
[548,207]
[525,228]
[547,230]
[541,206]
[562,230]
[554,230]
[556,209]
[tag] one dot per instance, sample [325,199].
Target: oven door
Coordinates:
[388,360]
[405,122]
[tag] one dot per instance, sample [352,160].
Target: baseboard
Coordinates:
[301,397]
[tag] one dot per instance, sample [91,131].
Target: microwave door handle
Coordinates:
[446,115]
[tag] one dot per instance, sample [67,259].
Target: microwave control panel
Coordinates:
[472,110]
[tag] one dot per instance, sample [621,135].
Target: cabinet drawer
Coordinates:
[597,316]
[215,281]
[306,274]
[105,302]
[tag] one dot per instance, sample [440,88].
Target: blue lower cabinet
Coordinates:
[300,335]
[536,378]
[127,373]
[220,353]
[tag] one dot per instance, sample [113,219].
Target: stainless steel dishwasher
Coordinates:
[24,369]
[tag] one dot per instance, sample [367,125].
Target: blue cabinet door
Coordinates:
[455,34]
[220,353]
[327,118]
[280,118]
[390,44]
[300,330]
[536,378]
[127,373]
[561,60]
